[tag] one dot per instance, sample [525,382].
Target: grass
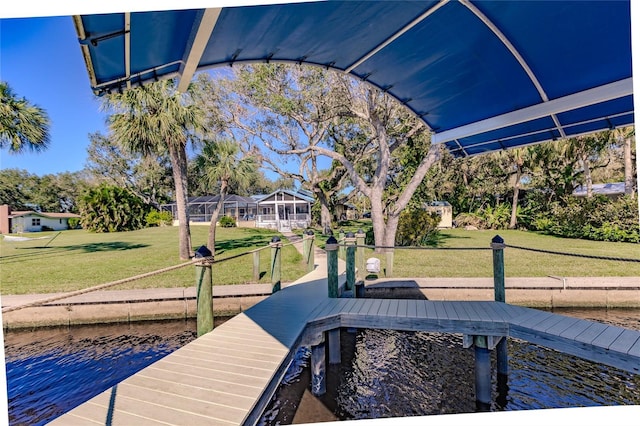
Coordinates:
[79,259]
[518,263]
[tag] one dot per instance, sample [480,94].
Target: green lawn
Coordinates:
[518,263]
[79,259]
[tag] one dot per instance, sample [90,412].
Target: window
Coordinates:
[35,222]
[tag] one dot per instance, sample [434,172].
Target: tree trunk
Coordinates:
[391,229]
[325,213]
[179,169]
[514,204]
[587,175]
[628,168]
[377,218]
[211,242]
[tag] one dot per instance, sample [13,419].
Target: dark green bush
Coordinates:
[46,228]
[111,209]
[227,222]
[417,228]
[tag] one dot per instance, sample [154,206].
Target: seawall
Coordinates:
[117,306]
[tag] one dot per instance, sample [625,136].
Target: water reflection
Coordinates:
[50,371]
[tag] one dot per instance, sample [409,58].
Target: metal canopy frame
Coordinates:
[482,75]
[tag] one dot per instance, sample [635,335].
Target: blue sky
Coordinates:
[40,59]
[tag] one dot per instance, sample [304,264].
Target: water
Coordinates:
[393,373]
[51,371]
[383,374]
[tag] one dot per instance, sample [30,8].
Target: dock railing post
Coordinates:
[256,266]
[341,249]
[331,248]
[497,244]
[360,254]
[204,291]
[350,240]
[502,356]
[307,249]
[276,263]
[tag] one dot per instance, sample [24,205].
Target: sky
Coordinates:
[40,59]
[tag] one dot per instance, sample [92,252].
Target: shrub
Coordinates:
[227,222]
[157,218]
[417,228]
[46,228]
[470,219]
[73,223]
[111,209]
[596,218]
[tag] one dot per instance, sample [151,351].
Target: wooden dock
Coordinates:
[229,375]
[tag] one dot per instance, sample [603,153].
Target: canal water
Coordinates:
[383,373]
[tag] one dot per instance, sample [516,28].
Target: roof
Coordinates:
[232,198]
[482,75]
[616,188]
[48,215]
[296,194]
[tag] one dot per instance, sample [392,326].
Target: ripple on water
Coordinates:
[394,373]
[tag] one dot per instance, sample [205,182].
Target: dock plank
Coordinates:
[591,333]
[607,337]
[625,341]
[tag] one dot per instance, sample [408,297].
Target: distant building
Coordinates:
[444,210]
[611,190]
[32,221]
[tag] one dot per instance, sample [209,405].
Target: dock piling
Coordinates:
[276,263]
[331,248]
[334,345]
[256,266]
[350,241]
[204,293]
[360,254]
[502,356]
[483,375]
[307,249]
[318,367]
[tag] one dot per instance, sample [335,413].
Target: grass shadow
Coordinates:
[49,252]
[254,241]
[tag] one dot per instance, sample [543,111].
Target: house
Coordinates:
[345,211]
[282,209]
[611,190]
[32,221]
[285,210]
[243,209]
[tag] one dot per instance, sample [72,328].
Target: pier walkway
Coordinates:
[229,375]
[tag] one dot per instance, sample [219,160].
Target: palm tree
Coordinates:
[221,164]
[22,125]
[627,135]
[157,119]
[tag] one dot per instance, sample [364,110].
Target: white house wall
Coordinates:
[25,223]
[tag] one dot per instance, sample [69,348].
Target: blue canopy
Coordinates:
[483,75]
